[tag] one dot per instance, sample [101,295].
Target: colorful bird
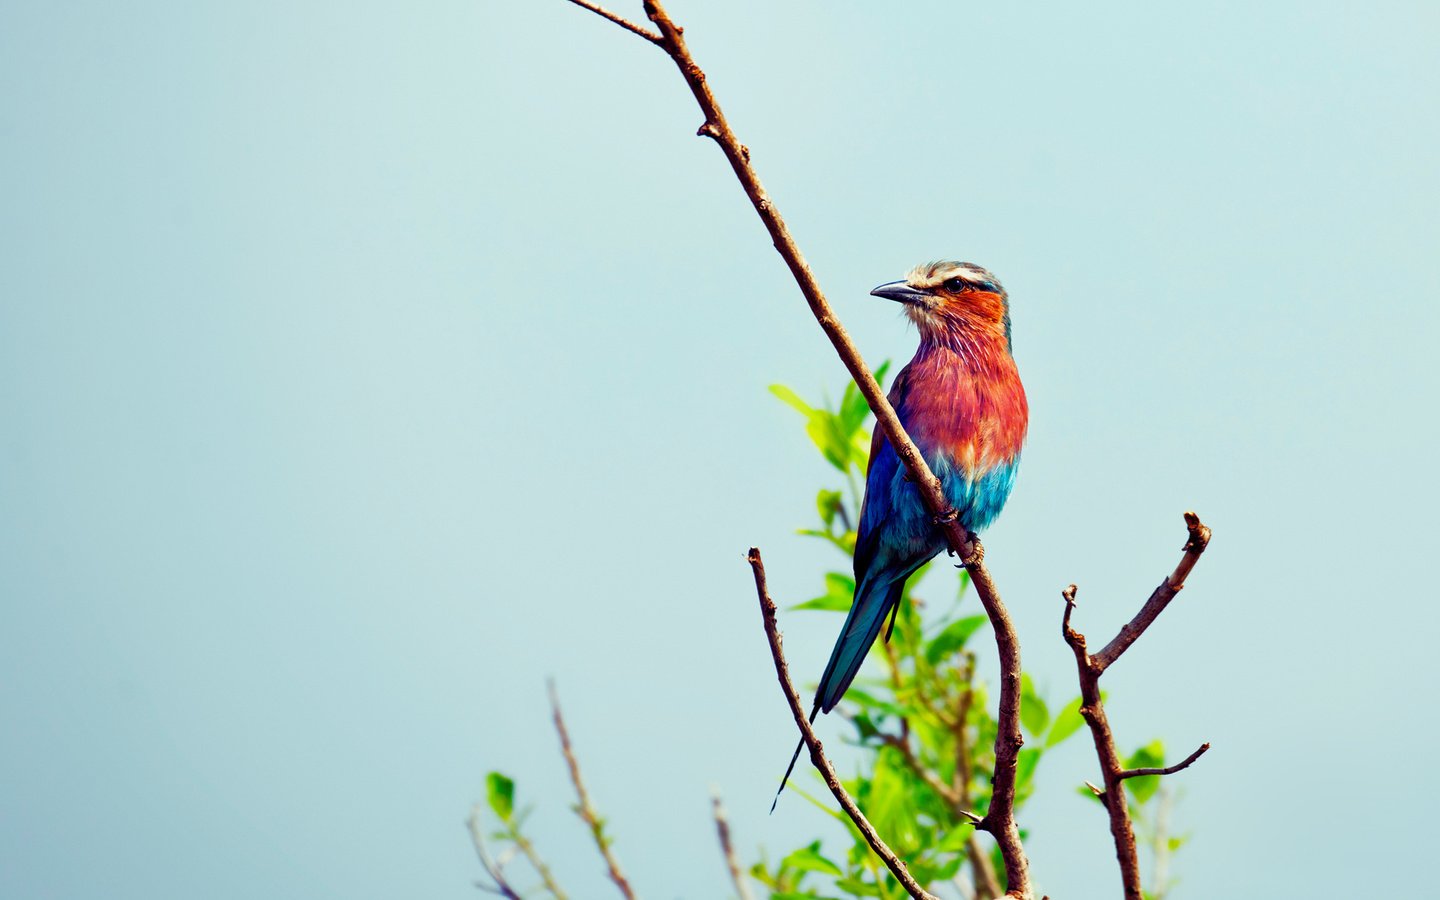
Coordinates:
[961,401]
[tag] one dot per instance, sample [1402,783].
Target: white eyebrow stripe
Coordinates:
[928,276]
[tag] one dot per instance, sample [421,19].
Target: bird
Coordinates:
[961,401]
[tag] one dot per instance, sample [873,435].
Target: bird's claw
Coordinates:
[974,551]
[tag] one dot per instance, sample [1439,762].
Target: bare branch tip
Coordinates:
[1199,533]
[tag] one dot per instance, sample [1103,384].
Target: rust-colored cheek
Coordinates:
[978,305]
[973,306]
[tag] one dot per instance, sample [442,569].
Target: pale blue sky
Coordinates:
[362,364]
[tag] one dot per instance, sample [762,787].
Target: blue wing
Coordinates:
[895,539]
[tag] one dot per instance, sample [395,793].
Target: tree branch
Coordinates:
[583,808]
[722,830]
[1168,770]
[624,23]
[1000,820]
[817,752]
[1092,707]
[1160,598]
[987,884]
[494,869]
[547,878]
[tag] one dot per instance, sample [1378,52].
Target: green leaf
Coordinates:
[822,425]
[1025,764]
[869,701]
[826,808]
[791,399]
[855,887]
[1033,714]
[500,792]
[956,839]
[865,727]
[828,503]
[952,638]
[1150,756]
[945,872]
[839,593]
[853,408]
[824,431]
[1067,722]
[810,859]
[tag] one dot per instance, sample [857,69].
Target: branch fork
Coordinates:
[1091,667]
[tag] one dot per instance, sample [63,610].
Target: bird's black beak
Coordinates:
[899,291]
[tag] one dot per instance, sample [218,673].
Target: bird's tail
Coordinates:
[874,600]
[793,758]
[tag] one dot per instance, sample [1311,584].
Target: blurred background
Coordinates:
[363,364]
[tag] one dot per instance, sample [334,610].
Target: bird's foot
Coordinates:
[974,551]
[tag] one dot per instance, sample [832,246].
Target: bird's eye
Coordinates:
[955,285]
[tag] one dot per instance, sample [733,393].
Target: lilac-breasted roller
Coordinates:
[961,401]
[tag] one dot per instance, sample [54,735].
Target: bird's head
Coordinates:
[950,300]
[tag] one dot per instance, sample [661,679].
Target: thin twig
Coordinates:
[623,22]
[1000,820]
[892,660]
[960,727]
[583,808]
[732,862]
[1168,770]
[1092,707]
[817,752]
[1160,847]
[1199,539]
[987,883]
[494,869]
[547,878]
